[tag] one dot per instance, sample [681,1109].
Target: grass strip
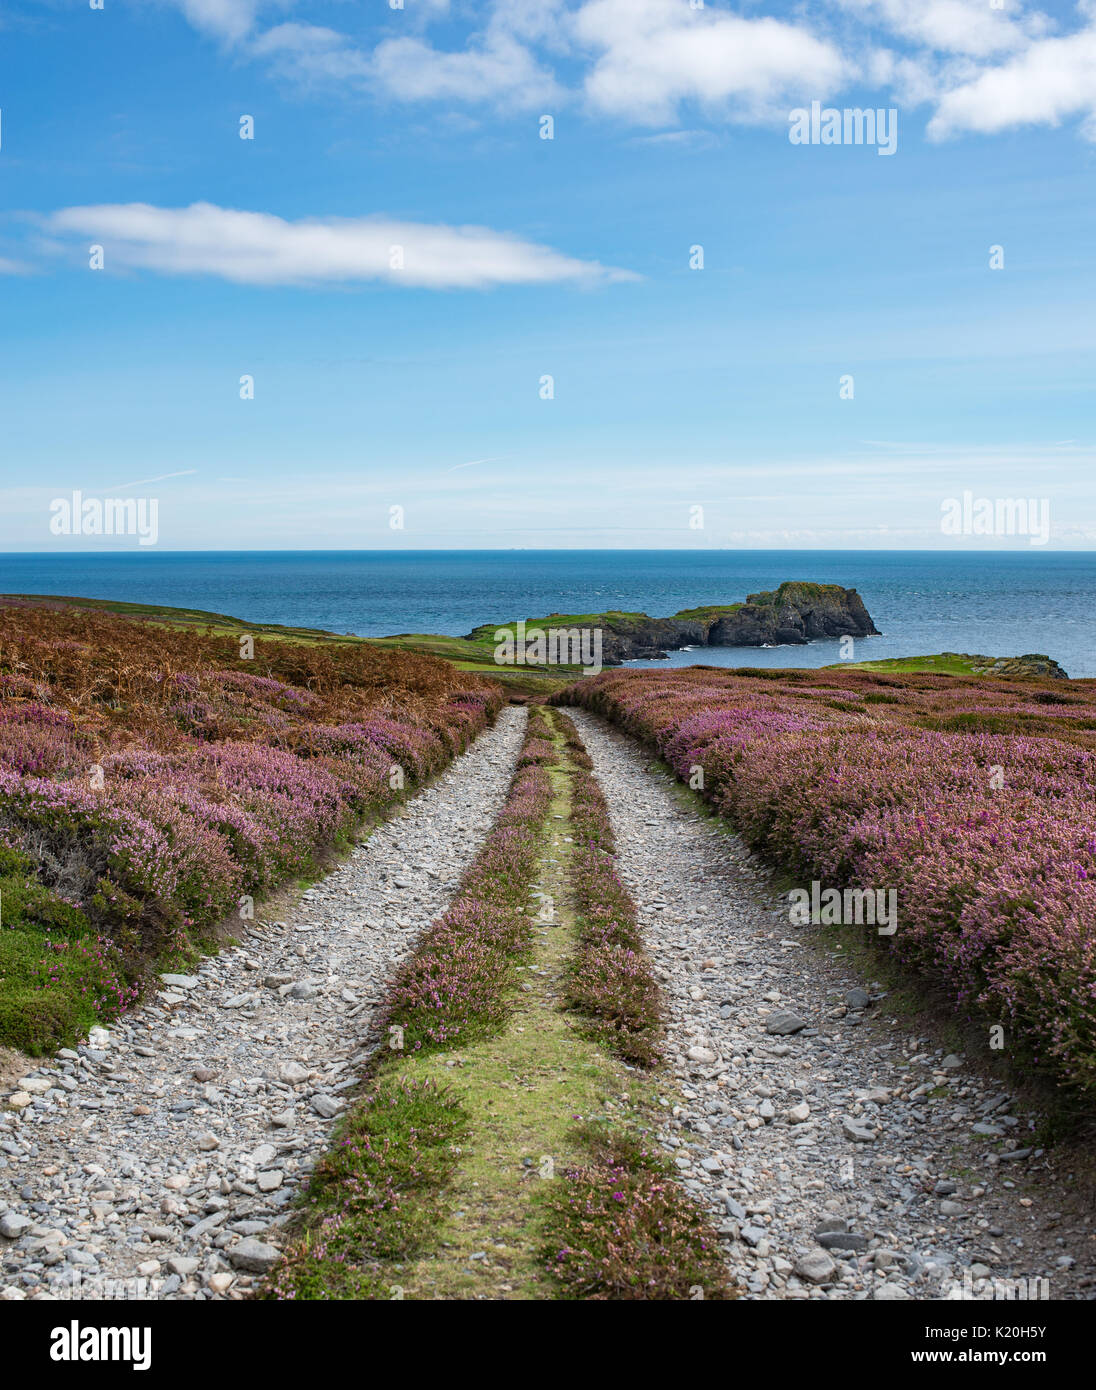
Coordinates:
[610,980]
[455,987]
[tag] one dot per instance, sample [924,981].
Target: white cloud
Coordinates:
[1051,80]
[638,59]
[497,69]
[655,54]
[309,53]
[230,20]
[646,61]
[968,27]
[260,249]
[495,66]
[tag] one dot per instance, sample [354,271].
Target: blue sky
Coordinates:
[419,387]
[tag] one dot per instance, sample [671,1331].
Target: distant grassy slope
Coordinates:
[178,617]
[1032,664]
[462,653]
[476,651]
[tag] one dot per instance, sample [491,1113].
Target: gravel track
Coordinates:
[160,1161]
[847,1158]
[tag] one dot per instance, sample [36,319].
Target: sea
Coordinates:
[995,603]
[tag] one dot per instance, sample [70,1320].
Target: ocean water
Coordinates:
[999,603]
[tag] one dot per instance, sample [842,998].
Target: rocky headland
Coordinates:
[793,614]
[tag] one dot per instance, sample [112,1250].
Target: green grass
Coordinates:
[57,977]
[372,1200]
[612,616]
[942,664]
[710,610]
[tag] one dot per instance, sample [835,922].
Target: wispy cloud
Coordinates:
[258,248]
[473,463]
[160,478]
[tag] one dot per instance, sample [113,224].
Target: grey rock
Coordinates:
[783,1022]
[254,1255]
[816,1268]
[13,1224]
[241,1001]
[842,1240]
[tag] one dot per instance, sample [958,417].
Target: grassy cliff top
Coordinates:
[948,664]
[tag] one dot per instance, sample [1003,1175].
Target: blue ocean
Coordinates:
[997,603]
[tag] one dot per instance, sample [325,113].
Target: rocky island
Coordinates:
[794,614]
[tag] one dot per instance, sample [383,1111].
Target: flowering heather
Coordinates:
[620,1227]
[455,988]
[988,833]
[368,1201]
[151,777]
[609,979]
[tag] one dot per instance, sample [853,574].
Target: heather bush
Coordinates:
[455,988]
[372,1196]
[609,979]
[989,838]
[150,776]
[620,1227]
